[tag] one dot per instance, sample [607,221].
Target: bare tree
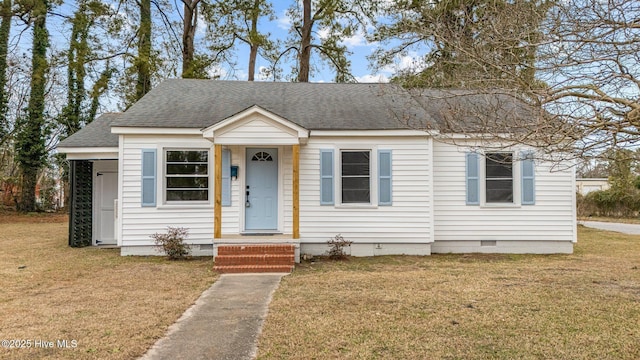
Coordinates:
[574,63]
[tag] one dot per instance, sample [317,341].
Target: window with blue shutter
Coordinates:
[148,192]
[226,177]
[384,177]
[472,179]
[528,179]
[326,177]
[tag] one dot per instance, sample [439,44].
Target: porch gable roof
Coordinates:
[256,126]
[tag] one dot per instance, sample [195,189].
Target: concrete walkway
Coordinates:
[224,323]
[632,229]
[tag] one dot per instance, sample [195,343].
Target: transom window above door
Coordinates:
[187,175]
[262,156]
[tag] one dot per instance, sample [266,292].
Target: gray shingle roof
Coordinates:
[182,103]
[314,106]
[96,134]
[465,111]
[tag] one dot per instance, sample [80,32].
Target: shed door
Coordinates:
[261,206]
[107,192]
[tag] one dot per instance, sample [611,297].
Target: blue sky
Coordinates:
[358,45]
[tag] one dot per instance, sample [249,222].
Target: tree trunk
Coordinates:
[304,55]
[253,53]
[254,38]
[30,147]
[188,36]
[5,29]
[143,61]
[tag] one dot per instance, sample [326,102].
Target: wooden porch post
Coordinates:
[217,205]
[296,191]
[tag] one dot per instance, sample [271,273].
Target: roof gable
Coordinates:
[256,126]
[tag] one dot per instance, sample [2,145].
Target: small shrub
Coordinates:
[172,243]
[336,247]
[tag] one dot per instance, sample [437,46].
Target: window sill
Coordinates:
[499,206]
[182,206]
[356,206]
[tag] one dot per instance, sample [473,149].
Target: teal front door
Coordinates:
[261,190]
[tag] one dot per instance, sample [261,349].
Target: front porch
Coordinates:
[265,154]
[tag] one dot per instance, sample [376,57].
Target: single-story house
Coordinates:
[246,163]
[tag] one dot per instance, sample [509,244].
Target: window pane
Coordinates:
[187,182]
[189,169]
[187,156]
[355,190]
[187,195]
[355,163]
[499,191]
[499,165]
[186,175]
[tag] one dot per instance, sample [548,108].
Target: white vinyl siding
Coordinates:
[551,218]
[138,222]
[407,220]
[257,129]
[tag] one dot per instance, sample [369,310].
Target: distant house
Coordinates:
[587,185]
[245,163]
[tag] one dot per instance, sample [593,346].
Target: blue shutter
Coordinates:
[528,179]
[473,179]
[384,177]
[226,177]
[326,177]
[148,192]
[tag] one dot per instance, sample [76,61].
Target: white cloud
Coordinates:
[411,61]
[201,26]
[284,21]
[372,78]
[323,33]
[356,40]
[217,72]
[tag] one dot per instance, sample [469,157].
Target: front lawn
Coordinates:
[580,306]
[105,306]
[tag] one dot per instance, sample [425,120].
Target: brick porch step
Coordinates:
[235,269]
[259,258]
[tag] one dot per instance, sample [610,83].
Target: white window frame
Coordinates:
[515,176]
[373,178]
[163,180]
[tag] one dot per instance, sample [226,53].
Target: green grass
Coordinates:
[580,306]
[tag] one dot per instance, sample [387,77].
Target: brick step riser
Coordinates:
[253,269]
[256,250]
[223,260]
